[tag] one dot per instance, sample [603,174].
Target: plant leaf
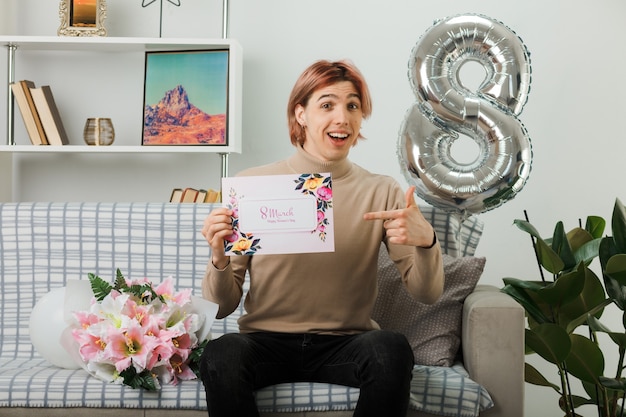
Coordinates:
[195,356]
[99,287]
[595,226]
[591,300]
[549,341]
[618,338]
[597,326]
[578,237]
[613,383]
[588,251]
[614,289]
[524,284]
[616,268]
[561,245]
[527,227]
[566,288]
[144,379]
[595,311]
[519,291]
[533,376]
[618,225]
[585,360]
[548,258]
[578,401]
[120,282]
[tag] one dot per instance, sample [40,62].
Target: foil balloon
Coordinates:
[446,109]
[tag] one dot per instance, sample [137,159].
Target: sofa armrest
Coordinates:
[493,348]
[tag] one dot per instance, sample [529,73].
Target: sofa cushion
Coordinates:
[457,236]
[446,391]
[434,331]
[36,383]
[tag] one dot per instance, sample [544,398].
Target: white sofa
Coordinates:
[43,245]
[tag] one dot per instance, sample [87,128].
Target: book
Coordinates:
[177,193]
[26,86]
[49,115]
[26,105]
[189,195]
[201,196]
[212,196]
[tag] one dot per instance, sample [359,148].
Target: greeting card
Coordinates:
[280,214]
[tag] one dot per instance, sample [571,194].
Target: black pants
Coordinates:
[378,362]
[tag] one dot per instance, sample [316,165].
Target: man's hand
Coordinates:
[218,227]
[405,226]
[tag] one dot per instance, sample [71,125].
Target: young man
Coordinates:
[308,315]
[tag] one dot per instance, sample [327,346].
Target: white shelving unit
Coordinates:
[113,47]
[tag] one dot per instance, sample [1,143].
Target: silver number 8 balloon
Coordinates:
[445,108]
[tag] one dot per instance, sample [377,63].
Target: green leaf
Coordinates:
[591,300]
[144,292]
[561,245]
[614,289]
[583,318]
[527,227]
[145,379]
[588,251]
[595,226]
[549,341]
[578,237]
[616,268]
[548,258]
[585,360]
[578,401]
[597,326]
[195,356]
[606,250]
[533,376]
[613,383]
[120,282]
[99,287]
[598,394]
[524,284]
[618,225]
[618,338]
[566,288]
[520,291]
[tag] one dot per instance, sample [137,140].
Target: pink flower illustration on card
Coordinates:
[239,243]
[320,187]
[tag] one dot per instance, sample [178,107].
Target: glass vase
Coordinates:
[99,131]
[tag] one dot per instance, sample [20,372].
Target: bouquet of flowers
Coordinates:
[138,334]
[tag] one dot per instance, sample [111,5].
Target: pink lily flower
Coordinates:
[130,347]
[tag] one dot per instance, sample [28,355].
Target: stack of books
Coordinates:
[191,195]
[40,113]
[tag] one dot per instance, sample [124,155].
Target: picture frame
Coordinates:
[82,18]
[186,98]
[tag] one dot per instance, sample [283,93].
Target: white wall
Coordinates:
[7,17]
[573,114]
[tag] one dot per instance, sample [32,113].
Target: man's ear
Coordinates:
[300,115]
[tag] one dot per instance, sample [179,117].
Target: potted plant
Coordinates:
[564,310]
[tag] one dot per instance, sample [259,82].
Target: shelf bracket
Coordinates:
[10,106]
[225,18]
[224,172]
[224,165]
